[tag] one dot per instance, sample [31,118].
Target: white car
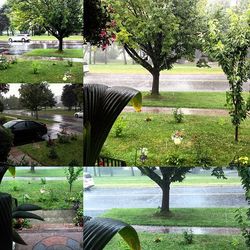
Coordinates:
[78,114]
[20,38]
[88,181]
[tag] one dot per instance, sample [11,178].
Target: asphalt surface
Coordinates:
[70,124]
[98,200]
[182,82]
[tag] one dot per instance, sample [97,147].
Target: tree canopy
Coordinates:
[228,43]
[164,31]
[35,96]
[60,18]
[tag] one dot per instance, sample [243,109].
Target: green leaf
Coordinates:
[12,171]
[102,105]
[27,207]
[24,214]
[17,238]
[99,231]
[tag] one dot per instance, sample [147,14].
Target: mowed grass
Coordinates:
[67,53]
[57,192]
[47,38]
[64,112]
[66,152]
[196,217]
[156,241]
[116,68]
[211,100]
[55,172]
[144,181]
[52,72]
[204,137]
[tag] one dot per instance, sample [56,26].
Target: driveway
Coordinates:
[98,200]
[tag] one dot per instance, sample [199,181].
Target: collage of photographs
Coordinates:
[125,124]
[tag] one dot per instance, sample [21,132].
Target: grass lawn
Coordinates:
[55,172]
[48,200]
[115,68]
[50,71]
[66,152]
[205,138]
[213,100]
[47,38]
[151,241]
[196,217]
[67,53]
[63,112]
[144,181]
[14,117]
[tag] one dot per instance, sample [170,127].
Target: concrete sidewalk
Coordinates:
[195,230]
[186,111]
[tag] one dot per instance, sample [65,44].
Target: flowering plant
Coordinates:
[177,137]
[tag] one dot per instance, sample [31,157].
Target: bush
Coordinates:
[53,154]
[3,120]
[70,63]
[4,64]
[6,139]
[36,67]
[63,139]
[178,115]
[188,237]
[119,126]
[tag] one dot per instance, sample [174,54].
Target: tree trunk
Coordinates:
[124,55]
[32,169]
[236,134]
[165,197]
[132,171]
[36,114]
[6,221]
[156,80]
[94,57]
[90,55]
[95,172]
[60,48]
[106,56]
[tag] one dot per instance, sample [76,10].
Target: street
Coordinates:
[70,124]
[98,200]
[143,82]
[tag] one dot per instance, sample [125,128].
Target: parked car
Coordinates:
[20,38]
[26,130]
[78,115]
[88,181]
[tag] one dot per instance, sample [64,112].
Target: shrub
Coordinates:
[6,139]
[43,181]
[4,64]
[178,115]
[188,237]
[119,126]
[36,67]
[63,139]
[53,154]
[3,119]
[70,63]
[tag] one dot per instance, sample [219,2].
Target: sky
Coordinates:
[55,88]
[2,2]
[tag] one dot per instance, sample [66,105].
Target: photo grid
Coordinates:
[166,125]
[124,124]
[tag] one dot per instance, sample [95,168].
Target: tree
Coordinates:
[4,88]
[1,106]
[164,31]
[167,175]
[228,43]
[35,96]
[72,173]
[4,19]
[60,18]
[69,96]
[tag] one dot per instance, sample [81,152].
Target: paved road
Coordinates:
[99,200]
[143,82]
[71,124]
